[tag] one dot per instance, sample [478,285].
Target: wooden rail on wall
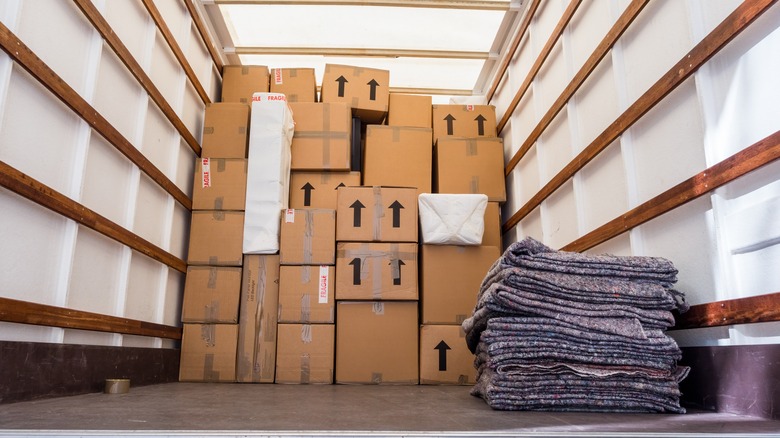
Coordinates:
[750,310]
[204,35]
[729,28]
[177,52]
[23,56]
[111,38]
[24,312]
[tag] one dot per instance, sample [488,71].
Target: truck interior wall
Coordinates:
[101,289]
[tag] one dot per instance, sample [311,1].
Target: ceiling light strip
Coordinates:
[359,52]
[438,4]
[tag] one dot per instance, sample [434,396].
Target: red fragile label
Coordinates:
[205,165]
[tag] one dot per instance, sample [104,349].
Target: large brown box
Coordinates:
[410,110]
[398,156]
[322,137]
[376,214]
[208,353]
[319,189]
[365,90]
[305,353]
[306,294]
[220,184]
[211,294]
[492,235]
[239,82]
[470,165]
[225,130]
[308,237]
[445,359]
[298,84]
[216,238]
[377,342]
[447,298]
[463,121]
[256,358]
[376,271]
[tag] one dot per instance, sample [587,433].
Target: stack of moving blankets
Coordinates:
[563,331]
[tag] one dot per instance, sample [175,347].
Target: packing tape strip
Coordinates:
[117,386]
[379,212]
[308,232]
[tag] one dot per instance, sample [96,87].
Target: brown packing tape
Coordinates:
[218,216]
[376,280]
[208,130]
[460,318]
[209,373]
[208,334]
[308,233]
[245,70]
[242,130]
[212,311]
[221,164]
[213,273]
[306,333]
[326,141]
[293,72]
[471,147]
[395,262]
[305,368]
[219,202]
[376,378]
[213,260]
[305,308]
[379,212]
[474,184]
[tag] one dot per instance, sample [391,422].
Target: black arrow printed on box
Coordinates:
[481,124]
[397,278]
[340,185]
[372,93]
[357,213]
[355,263]
[449,120]
[341,80]
[442,347]
[396,207]
[307,188]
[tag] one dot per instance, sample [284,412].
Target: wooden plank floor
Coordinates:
[199,409]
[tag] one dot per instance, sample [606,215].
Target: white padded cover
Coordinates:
[452,219]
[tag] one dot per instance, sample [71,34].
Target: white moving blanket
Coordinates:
[452,219]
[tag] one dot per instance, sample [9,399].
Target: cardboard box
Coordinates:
[308,237]
[305,353]
[298,84]
[377,342]
[211,294]
[306,294]
[208,353]
[256,358]
[376,271]
[225,130]
[319,189]
[376,214]
[268,172]
[445,358]
[450,277]
[220,184]
[493,235]
[240,82]
[215,238]
[447,219]
[322,136]
[410,110]
[365,90]
[470,165]
[463,121]
[398,156]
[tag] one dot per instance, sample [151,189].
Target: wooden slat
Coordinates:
[540,59]
[45,196]
[762,308]
[617,30]
[112,39]
[177,52]
[510,53]
[24,312]
[749,159]
[729,28]
[23,56]
[204,35]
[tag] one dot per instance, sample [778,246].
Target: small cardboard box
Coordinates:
[376,271]
[256,358]
[225,130]
[377,342]
[306,294]
[398,156]
[365,90]
[445,358]
[215,238]
[319,189]
[211,294]
[410,110]
[463,121]
[239,82]
[470,165]
[322,136]
[208,353]
[448,298]
[305,353]
[298,84]
[220,184]
[308,237]
[376,214]
[493,235]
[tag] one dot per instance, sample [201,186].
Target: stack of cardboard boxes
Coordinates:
[344,298]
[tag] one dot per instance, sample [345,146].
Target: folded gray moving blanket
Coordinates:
[556,330]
